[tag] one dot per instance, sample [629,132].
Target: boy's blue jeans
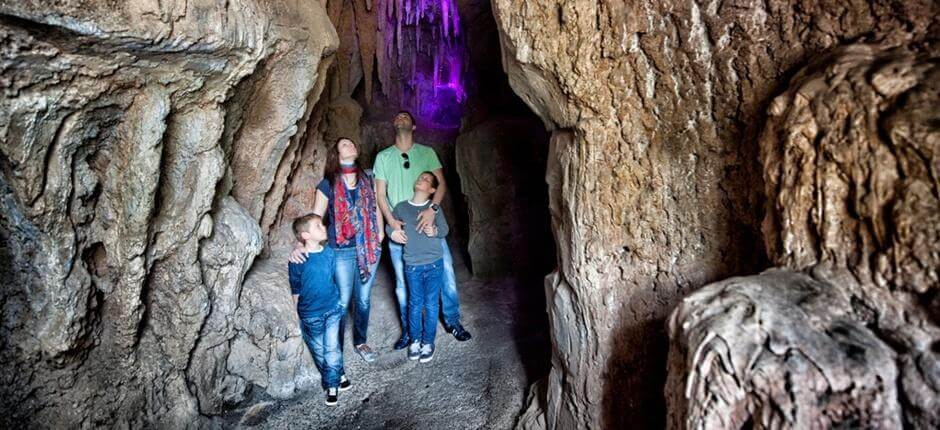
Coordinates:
[424,290]
[321,334]
[449,298]
[350,284]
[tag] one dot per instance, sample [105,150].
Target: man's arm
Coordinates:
[381,195]
[426,217]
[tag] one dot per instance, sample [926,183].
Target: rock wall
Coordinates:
[654,180]
[144,153]
[847,334]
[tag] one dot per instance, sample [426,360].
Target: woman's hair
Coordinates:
[332,169]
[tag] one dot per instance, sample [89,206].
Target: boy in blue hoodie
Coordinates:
[318,304]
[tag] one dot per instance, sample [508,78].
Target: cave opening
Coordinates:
[441,62]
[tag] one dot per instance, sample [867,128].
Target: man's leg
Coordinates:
[449,299]
[395,253]
[346,274]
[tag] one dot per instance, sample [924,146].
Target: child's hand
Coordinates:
[430,231]
[400,236]
[298,256]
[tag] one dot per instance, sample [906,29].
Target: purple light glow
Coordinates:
[436,86]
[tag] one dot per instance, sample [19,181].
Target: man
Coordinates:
[396,170]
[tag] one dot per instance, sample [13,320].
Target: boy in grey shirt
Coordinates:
[424,266]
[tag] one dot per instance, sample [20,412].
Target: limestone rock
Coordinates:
[778,350]
[847,152]
[501,166]
[125,126]
[654,178]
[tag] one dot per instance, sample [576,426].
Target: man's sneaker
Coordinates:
[366,353]
[459,332]
[414,351]
[344,383]
[403,342]
[332,395]
[427,353]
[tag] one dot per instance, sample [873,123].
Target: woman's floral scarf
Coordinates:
[357,223]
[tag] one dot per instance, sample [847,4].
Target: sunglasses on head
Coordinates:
[407,161]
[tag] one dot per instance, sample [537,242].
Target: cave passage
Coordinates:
[494,151]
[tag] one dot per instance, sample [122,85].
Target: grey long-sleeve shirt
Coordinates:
[420,248]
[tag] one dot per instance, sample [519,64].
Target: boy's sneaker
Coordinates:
[459,332]
[414,351]
[332,395]
[403,342]
[344,383]
[427,353]
[366,353]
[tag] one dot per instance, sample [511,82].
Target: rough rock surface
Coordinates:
[501,165]
[654,179]
[126,127]
[850,153]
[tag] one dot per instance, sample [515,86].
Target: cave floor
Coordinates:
[476,384]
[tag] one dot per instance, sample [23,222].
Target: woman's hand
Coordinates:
[297,255]
[400,236]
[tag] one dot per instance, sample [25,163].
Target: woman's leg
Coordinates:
[363,306]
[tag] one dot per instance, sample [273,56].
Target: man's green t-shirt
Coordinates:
[390,167]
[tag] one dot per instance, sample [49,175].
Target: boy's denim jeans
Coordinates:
[321,334]
[424,290]
[449,298]
[350,285]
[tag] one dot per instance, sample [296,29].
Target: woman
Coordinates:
[346,199]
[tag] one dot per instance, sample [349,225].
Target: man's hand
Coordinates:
[298,255]
[426,219]
[400,236]
[396,224]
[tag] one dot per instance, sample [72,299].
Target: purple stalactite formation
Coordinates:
[432,84]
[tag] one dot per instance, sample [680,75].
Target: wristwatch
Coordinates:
[435,207]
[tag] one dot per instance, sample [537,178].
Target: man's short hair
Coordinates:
[410,116]
[434,181]
[302,224]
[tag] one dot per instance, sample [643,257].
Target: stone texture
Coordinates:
[501,165]
[778,350]
[125,128]
[849,152]
[654,179]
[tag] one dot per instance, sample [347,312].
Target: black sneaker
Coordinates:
[414,351]
[427,353]
[403,342]
[344,383]
[459,332]
[332,395]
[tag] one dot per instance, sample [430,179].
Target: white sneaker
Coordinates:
[332,395]
[427,353]
[414,351]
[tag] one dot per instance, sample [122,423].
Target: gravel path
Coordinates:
[476,384]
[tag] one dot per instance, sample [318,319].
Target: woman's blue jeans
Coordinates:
[449,300]
[351,287]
